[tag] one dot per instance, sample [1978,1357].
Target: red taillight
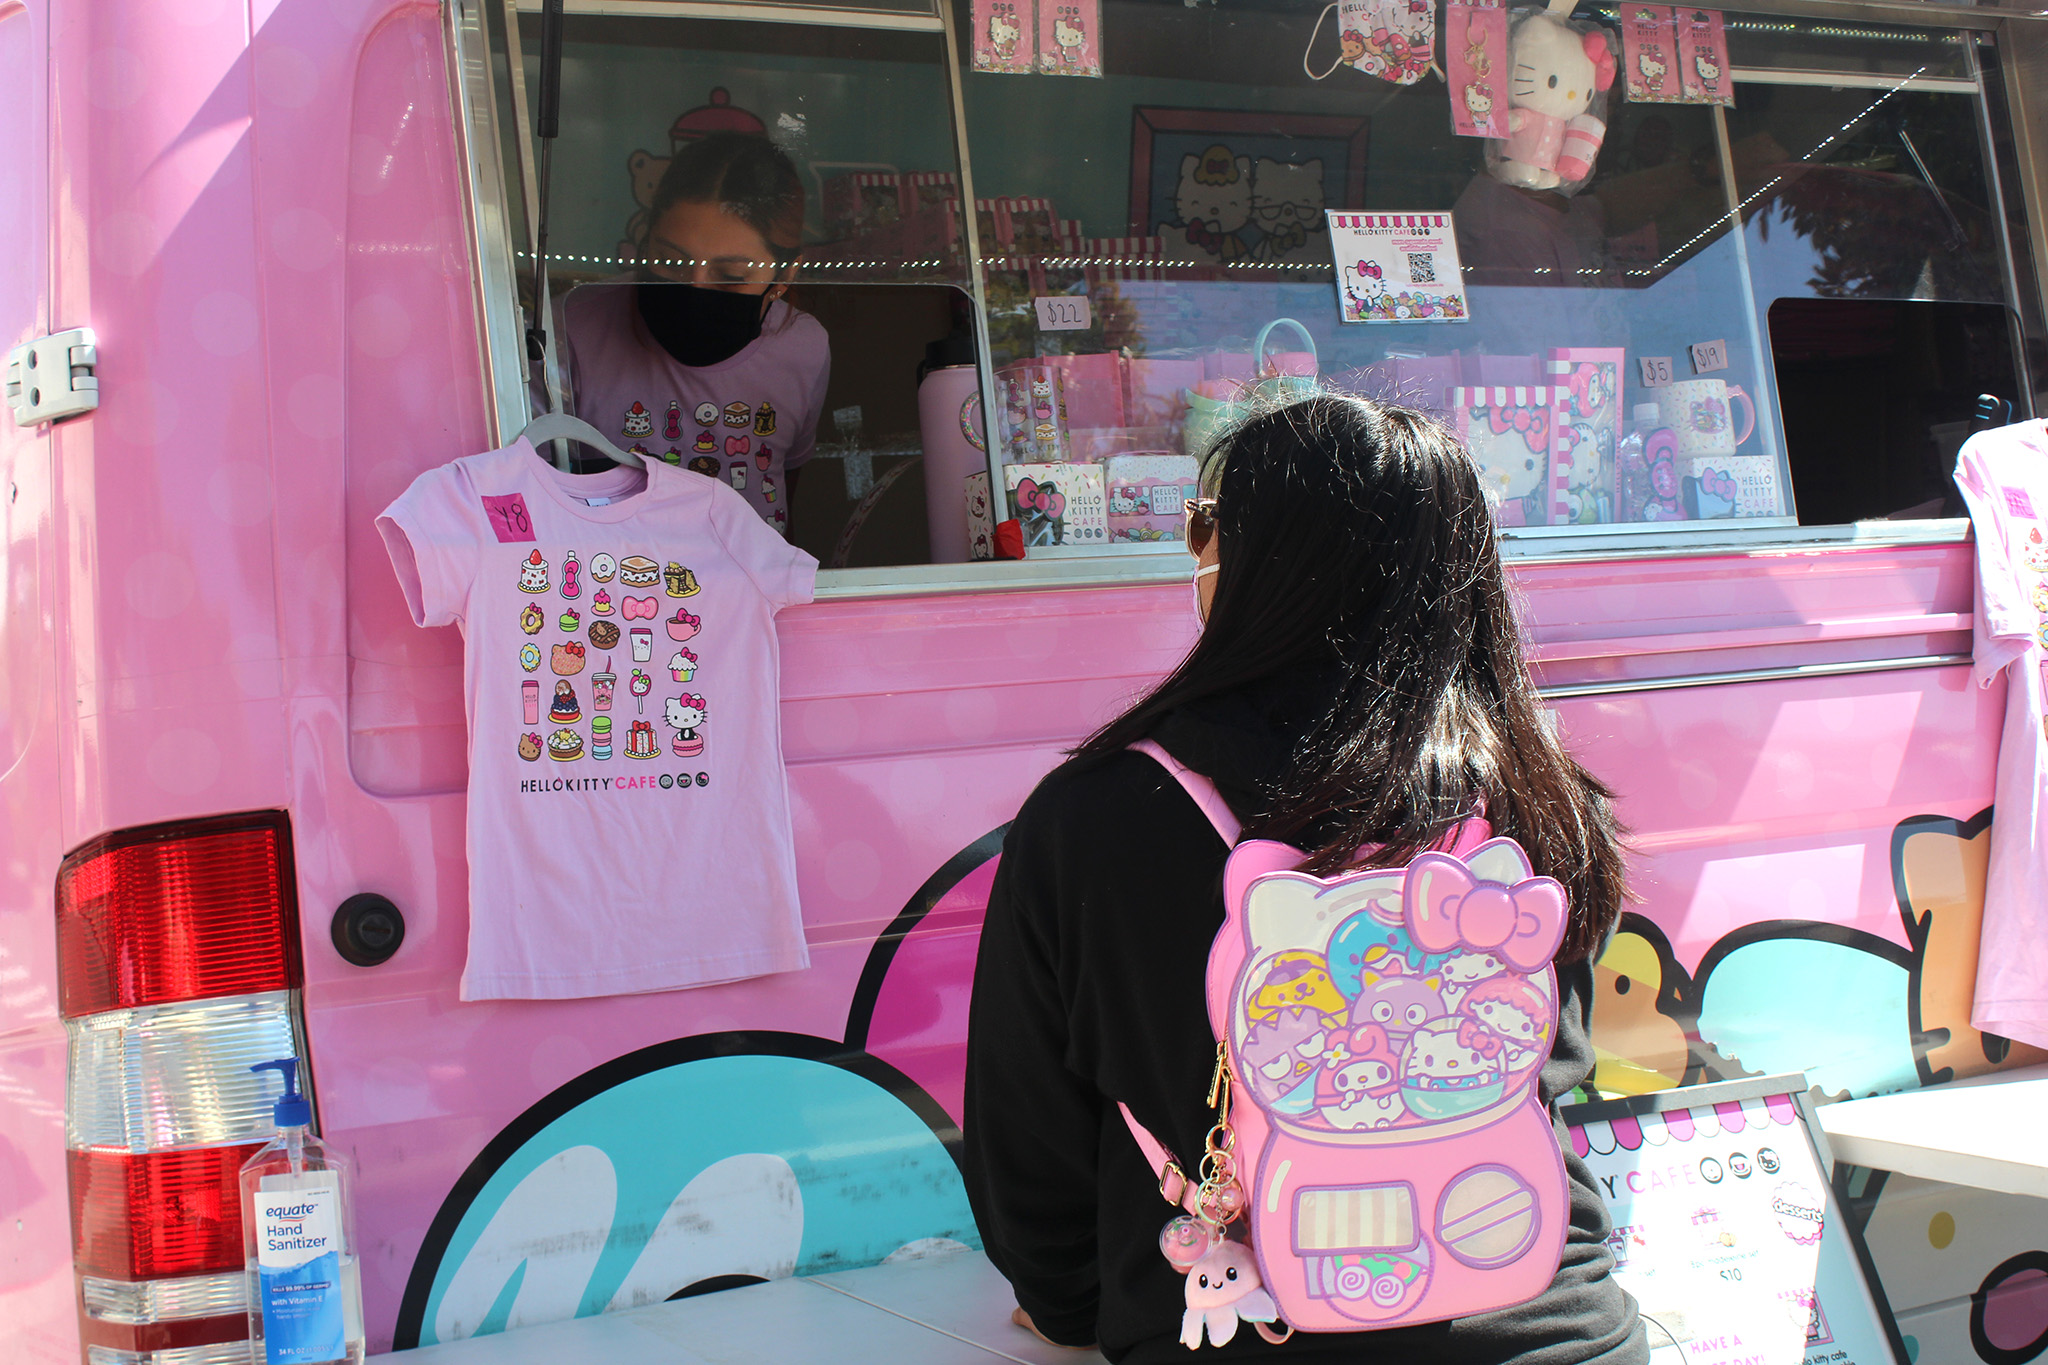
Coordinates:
[141,1215]
[178,965]
[177,912]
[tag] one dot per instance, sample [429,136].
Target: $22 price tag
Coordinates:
[1063,313]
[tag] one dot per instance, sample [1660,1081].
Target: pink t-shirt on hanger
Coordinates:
[2004,478]
[628,825]
[746,420]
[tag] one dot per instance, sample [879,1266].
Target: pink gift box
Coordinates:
[1500,371]
[1420,382]
[1148,492]
[1094,389]
[1153,389]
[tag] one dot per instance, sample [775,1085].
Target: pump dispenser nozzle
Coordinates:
[291,1109]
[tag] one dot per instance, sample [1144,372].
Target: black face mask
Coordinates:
[700,326]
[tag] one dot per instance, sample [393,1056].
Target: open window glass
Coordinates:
[754,248]
[1613,358]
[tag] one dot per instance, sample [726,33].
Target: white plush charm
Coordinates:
[1223,1290]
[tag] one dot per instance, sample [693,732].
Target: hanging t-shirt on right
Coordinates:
[2004,478]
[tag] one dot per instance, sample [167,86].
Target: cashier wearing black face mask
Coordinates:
[698,359]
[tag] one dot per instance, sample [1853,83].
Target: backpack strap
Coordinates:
[1200,790]
[1174,1185]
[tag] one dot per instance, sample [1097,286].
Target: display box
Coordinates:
[1058,504]
[1511,433]
[1586,383]
[1148,495]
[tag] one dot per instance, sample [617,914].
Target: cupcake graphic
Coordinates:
[682,665]
[601,603]
[706,444]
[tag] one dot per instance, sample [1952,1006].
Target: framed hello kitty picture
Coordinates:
[1243,189]
[1397,267]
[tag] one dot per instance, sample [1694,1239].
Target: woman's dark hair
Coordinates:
[1355,541]
[746,175]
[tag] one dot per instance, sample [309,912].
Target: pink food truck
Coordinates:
[262,266]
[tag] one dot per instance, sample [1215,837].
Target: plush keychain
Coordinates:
[1558,80]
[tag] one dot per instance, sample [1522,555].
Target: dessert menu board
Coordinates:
[1726,1229]
[1397,267]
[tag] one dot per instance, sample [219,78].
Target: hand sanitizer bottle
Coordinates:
[305,1293]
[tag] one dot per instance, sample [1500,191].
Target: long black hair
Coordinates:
[1355,542]
[746,175]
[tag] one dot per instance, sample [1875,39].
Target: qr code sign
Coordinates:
[1421,267]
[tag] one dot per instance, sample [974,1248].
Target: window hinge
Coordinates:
[52,377]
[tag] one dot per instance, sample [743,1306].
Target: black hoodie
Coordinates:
[1088,991]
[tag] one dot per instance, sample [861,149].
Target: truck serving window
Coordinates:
[1052,255]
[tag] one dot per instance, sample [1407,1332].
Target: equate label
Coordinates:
[298,1252]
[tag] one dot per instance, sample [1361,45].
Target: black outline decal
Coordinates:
[860,1014]
[1980,1341]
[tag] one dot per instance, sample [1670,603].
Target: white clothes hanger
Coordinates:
[557,426]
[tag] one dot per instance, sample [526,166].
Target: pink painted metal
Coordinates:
[260,210]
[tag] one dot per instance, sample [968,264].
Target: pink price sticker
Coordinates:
[508,517]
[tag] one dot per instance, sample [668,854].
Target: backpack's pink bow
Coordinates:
[1447,907]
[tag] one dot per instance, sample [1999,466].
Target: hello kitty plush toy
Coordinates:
[1557,91]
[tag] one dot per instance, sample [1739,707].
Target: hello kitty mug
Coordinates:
[1697,411]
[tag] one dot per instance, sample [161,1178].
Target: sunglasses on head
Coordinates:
[1200,525]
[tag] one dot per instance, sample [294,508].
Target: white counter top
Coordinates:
[945,1310]
[1986,1131]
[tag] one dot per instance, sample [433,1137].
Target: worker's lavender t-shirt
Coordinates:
[745,420]
[2004,478]
[629,824]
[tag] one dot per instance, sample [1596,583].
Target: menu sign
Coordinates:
[1726,1229]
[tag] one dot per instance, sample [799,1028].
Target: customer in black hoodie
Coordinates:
[1358,684]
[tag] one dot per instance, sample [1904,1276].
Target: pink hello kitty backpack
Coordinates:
[1380,1156]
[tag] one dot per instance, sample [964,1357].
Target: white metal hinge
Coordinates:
[52,378]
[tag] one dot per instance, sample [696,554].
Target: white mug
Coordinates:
[1696,410]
